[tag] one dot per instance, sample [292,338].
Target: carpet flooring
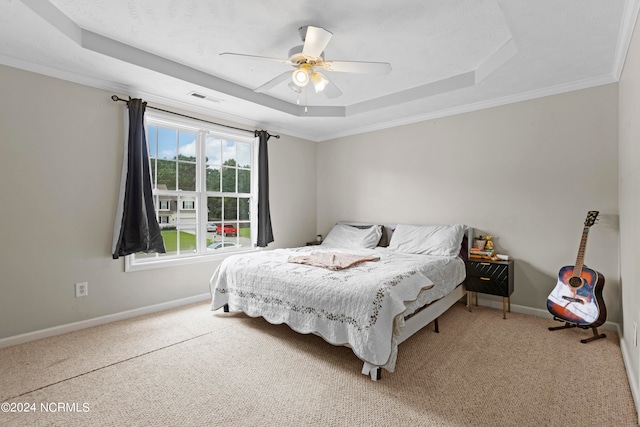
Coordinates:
[193,367]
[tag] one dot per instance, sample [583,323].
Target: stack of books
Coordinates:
[482,253]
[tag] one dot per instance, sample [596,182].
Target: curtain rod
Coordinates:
[117,98]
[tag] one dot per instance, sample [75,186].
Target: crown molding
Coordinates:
[496,102]
[629,19]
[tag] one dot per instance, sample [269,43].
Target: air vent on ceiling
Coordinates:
[206,97]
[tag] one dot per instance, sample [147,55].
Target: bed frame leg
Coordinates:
[435,326]
[373,371]
[226,308]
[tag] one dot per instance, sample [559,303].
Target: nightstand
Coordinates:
[490,277]
[313,243]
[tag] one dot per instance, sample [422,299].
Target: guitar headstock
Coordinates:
[592,217]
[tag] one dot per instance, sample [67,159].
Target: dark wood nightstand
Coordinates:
[313,243]
[490,277]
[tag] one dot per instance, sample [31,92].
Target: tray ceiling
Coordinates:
[447,56]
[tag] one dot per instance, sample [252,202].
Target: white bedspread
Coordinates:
[355,307]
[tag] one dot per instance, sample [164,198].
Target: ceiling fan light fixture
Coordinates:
[295,88]
[301,76]
[319,81]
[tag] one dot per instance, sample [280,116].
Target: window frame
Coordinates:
[201,129]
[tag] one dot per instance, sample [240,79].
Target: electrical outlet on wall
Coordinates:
[82,289]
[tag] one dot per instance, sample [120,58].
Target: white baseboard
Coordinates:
[83,324]
[633,379]
[486,302]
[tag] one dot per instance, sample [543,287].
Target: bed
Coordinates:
[367,286]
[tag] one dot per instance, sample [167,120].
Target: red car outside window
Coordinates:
[227,229]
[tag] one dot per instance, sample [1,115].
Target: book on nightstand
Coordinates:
[481,253]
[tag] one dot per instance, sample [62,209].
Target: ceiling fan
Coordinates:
[308,58]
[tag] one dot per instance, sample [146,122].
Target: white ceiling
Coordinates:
[448,56]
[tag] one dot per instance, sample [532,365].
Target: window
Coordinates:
[205,190]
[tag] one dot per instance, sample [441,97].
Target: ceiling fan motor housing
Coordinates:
[296,57]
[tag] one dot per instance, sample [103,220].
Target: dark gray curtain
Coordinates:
[265,233]
[136,228]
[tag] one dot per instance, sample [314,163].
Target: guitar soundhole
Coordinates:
[575,282]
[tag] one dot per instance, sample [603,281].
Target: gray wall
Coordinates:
[526,173]
[629,188]
[60,164]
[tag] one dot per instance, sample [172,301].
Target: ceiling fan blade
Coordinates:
[315,41]
[274,82]
[264,58]
[379,68]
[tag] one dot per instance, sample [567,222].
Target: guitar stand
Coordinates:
[567,325]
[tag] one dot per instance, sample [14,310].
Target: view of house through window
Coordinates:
[203,186]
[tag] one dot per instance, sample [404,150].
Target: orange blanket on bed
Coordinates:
[332,260]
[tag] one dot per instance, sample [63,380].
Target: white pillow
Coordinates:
[442,240]
[346,236]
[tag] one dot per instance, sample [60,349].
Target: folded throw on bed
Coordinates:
[332,260]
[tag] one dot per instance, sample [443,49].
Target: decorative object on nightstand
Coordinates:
[479,242]
[494,277]
[482,248]
[488,242]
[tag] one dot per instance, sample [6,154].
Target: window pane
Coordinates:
[244,234]
[213,178]
[244,155]
[228,152]
[187,146]
[170,238]
[244,209]
[230,208]
[229,179]
[214,208]
[244,181]
[166,174]
[168,211]
[186,176]
[152,140]
[167,143]
[228,230]
[187,225]
[187,239]
[214,150]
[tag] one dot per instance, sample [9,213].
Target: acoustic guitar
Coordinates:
[577,297]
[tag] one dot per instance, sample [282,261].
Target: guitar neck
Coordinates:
[577,270]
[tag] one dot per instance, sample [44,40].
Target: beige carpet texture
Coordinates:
[193,367]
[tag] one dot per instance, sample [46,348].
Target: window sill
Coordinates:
[130,266]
